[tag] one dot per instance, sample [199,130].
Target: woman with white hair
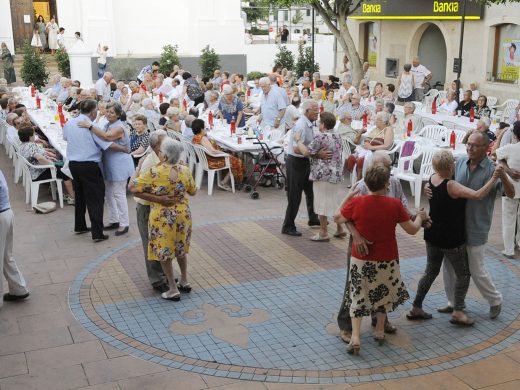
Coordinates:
[230,107]
[174,122]
[380,138]
[169,226]
[117,167]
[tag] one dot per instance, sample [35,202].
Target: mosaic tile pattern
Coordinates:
[263,308]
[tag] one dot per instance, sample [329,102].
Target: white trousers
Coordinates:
[510,221]
[8,267]
[480,276]
[115,197]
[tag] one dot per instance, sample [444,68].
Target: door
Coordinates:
[22,17]
[432,52]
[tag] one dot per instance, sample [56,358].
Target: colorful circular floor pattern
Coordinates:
[263,308]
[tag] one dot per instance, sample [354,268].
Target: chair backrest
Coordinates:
[429,122]
[441,96]
[435,132]
[174,134]
[510,105]
[190,151]
[410,155]
[459,135]
[200,151]
[432,93]
[491,101]
[346,149]
[418,107]
[426,164]
[371,86]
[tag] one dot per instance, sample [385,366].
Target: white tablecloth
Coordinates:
[221,134]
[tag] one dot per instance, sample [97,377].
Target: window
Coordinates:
[370,34]
[296,30]
[308,12]
[275,16]
[506,57]
[286,15]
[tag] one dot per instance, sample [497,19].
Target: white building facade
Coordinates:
[131,26]
[433,33]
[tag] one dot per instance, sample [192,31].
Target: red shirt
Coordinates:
[375,217]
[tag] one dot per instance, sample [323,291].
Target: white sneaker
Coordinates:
[70,200]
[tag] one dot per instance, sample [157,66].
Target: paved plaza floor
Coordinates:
[261,314]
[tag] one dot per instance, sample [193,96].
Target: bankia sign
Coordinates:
[417,9]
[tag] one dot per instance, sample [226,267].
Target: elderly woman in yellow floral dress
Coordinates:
[166,186]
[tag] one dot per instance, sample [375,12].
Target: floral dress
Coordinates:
[169,227]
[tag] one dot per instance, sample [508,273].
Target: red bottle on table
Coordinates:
[365,120]
[321,108]
[409,128]
[62,119]
[38,102]
[248,92]
[233,126]
[472,114]
[452,140]
[60,108]
[161,98]
[185,105]
[33,90]
[434,106]
[210,119]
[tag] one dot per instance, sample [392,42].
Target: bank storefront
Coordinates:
[389,33]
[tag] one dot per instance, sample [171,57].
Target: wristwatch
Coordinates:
[90,127]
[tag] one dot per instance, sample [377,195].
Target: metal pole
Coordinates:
[461,41]
[312,32]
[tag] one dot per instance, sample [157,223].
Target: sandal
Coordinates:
[467,322]
[419,316]
[186,288]
[318,238]
[353,349]
[380,339]
[340,235]
[175,297]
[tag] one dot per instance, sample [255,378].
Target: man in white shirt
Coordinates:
[61,38]
[176,91]
[292,113]
[256,90]
[3,108]
[103,87]
[421,75]
[13,123]
[272,106]
[161,86]
[281,91]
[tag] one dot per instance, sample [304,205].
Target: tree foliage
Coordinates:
[62,59]
[305,60]
[209,61]
[257,10]
[168,59]
[284,58]
[34,67]
[297,18]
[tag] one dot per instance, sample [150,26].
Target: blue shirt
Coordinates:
[304,127]
[231,110]
[4,193]
[479,213]
[118,166]
[82,144]
[271,106]
[187,133]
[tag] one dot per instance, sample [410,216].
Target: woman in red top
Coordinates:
[375,279]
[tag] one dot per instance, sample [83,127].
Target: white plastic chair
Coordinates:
[32,187]
[424,174]
[504,110]
[192,159]
[491,101]
[371,86]
[3,130]
[441,96]
[404,169]
[429,121]
[202,154]
[418,107]
[436,133]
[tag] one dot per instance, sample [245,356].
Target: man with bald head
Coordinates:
[103,87]
[421,75]
[474,171]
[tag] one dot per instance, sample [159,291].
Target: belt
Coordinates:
[1,211]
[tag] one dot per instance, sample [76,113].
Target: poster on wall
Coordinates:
[373,43]
[510,63]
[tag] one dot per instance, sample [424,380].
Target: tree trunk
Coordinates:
[348,45]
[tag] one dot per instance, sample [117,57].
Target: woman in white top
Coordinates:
[52,29]
[450,105]
[405,84]
[510,153]
[102,60]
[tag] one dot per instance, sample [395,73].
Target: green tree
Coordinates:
[284,58]
[34,67]
[297,18]
[62,59]
[256,10]
[305,61]
[335,12]
[209,61]
[168,59]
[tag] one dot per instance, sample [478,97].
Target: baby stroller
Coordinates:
[266,166]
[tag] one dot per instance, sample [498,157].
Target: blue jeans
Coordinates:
[101,70]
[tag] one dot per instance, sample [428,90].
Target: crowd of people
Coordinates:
[119,139]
